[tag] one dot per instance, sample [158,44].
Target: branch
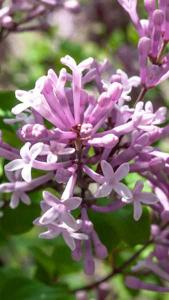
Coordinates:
[120,269]
[116,271]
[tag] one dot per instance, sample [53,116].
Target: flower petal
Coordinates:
[79,236]
[138,187]
[26,173]
[103,191]
[69,220]
[20,108]
[69,240]
[35,150]
[72,203]
[66,151]
[107,170]
[50,199]
[21,95]
[50,234]
[147,198]
[44,206]
[137,210]
[122,190]
[122,171]
[25,199]
[14,200]
[52,158]
[24,152]
[15,165]
[49,216]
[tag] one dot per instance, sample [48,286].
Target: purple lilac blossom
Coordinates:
[153,39]
[88,128]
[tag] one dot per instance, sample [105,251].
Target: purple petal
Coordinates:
[162,198]
[19,108]
[50,234]
[24,152]
[69,240]
[85,64]
[95,176]
[26,173]
[134,81]
[66,151]
[104,190]
[108,141]
[72,203]
[15,165]
[137,210]
[14,200]
[107,170]
[122,171]
[122,190]
[25,199]
[50,199]
[49,216]
[69,220]
[138,186]
[36,150]
[52,158]
[147,198]
[137,284]
[68,192]
[79,236]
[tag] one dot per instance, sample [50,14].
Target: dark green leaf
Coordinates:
[19,220]
[120,226]
[19,288]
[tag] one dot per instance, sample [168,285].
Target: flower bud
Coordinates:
[158,17]
[89,266]
[144,46]
[150,5]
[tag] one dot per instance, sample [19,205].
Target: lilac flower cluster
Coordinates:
[153,39]
[86,141]
[25,15]
[83,136]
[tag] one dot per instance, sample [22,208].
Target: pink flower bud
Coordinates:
[150,5]
[158,17]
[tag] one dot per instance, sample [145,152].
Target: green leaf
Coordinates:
[42,259]
[119,226]
[19,220]
[132,232]
[7,101]
[10,137]
[104,226]
[20,288]
[64,262]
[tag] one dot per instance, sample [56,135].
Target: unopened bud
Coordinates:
[144,46]
[150,5]
[158,17]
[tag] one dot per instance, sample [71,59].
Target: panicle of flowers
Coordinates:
[86,141]
[153,39]
[25,15]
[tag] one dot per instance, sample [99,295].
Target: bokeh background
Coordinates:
[34,269]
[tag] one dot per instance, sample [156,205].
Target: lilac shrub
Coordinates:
[81,133]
